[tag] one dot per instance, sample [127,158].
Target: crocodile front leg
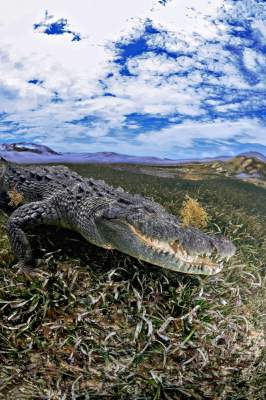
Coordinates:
[35,213]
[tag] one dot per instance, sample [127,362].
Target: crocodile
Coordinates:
[105,216]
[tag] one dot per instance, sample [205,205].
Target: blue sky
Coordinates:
[176,78]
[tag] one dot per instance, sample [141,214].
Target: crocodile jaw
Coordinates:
[173,256]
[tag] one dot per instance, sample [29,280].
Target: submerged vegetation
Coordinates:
[94,323]
[193,214]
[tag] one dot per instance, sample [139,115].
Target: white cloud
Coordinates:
[260,26]
[255,62]
[186,16]
[184,134]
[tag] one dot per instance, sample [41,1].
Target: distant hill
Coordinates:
[27,153]
[10,148]
[243,166]
[254,154]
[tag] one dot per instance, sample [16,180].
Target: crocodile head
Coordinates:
[145,230]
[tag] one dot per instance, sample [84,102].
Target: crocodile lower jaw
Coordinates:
[176,251]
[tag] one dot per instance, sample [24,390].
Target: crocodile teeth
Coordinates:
[176,251]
